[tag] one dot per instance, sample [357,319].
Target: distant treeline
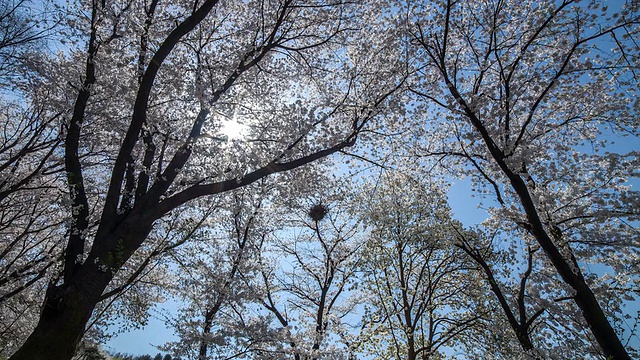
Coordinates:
[124,356]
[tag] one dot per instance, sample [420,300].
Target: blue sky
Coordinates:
[143,341]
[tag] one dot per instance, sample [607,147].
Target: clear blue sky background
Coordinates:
[143,341]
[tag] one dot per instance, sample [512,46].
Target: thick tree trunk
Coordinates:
[206,330]
[411,352]
[66,311]
[68,307]
[585,299]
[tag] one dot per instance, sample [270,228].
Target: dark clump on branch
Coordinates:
[318,212]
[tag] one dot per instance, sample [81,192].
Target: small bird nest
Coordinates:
[318,212]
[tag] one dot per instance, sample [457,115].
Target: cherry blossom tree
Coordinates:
[23,26]
[143,89]
[308,276]
[531,94]
[530,299]
[210,280]
[420,286]
[141,136]
[30,232]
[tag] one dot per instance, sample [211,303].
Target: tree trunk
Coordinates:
[68,307]
[585,299]
[206,330]
[66,311]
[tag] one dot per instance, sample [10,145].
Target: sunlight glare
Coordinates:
[233,130]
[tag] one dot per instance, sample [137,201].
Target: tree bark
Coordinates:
[66,311]
[68,307]
[585,299]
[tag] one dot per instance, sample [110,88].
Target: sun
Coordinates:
[232,129]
